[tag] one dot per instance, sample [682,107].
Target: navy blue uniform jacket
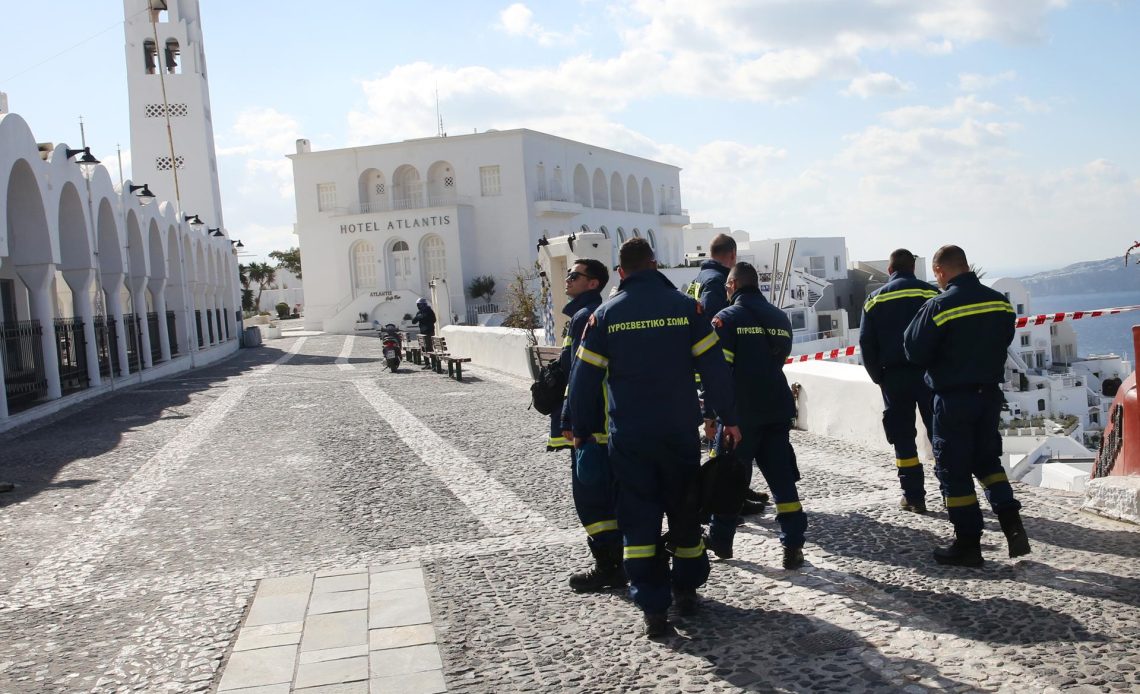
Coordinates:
[642,347]
[709,289]
[756,338]
[961,336]
[425,318]
[886,314]
[579,309]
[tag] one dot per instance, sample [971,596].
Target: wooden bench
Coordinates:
[411,349]
[541,355]
[440,355]
[422,341]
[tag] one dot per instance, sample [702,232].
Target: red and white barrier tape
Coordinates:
[1023,321]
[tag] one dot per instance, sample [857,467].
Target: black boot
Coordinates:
[721,551]
[1015,534]
[793,558]
[913,506]
[607,572]
[686,601]
[759,497]
[962,552]
[752,508]
[656,624]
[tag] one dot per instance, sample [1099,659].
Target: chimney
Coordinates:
[304,147]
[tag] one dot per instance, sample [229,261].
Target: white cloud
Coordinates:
[974,82]
[518,20]
[913,116]
[1031,106]
[875,84]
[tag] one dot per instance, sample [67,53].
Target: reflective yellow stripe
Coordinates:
[959,501]
[601,527]
[568,341]
[558,442]
[729,356]
[690,552]
[602,439]
[900,294]
[592,358]
[704,345]
[993,479]
[788,507]
[972,310]
[697,378]
[907,462]
[695,290]
[639,551]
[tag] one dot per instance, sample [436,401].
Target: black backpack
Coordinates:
[548,391]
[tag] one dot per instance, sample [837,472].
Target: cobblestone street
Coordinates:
[140,527]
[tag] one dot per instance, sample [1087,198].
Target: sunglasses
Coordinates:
[574,274]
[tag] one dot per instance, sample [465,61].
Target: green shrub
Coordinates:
[282,310]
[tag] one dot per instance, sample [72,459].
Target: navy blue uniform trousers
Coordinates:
[903,390]
[595,495]
[771,448]
[967,445]
[653,480]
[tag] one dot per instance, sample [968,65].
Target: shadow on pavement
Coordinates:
[766,650]
[34,455]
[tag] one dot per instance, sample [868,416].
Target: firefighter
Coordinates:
[591,480]
[961,337]
[640,349]
[886,314]
[709,289]
[756,338]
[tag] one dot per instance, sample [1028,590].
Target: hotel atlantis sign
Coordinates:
[438,220]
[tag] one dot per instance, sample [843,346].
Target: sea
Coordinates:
[1096,335]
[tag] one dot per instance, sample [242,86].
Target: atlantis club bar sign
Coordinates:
[397,224]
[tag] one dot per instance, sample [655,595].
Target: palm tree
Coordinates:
[264,275]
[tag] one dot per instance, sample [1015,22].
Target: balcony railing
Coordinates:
[414,200]
[134,342]
[25,382]
[71,349]
[155,340]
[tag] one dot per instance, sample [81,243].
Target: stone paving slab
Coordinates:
[131,564]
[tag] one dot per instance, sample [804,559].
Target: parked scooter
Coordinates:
[391,346]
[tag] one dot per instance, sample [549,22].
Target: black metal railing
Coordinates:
[107,346]
[71,348]
[172,332]
[155,337]
[134,343]
[210,323]
[227,324]
[218,318]
[25,382]
[198,322]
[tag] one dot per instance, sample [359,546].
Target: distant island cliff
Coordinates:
[1088,277]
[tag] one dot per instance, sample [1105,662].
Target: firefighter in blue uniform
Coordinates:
[961,337]
[886,314]
[640,349]
[709,289]
[756,338]
[591,479]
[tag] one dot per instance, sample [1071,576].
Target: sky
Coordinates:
[1008,127]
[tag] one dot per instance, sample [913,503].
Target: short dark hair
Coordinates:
[951,257]
[902,260]
[722,244]
[595,269]
[744,275]
[635,255]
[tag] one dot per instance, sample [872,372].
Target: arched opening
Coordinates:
[407,190]
[601,190]
[617,192]
[540,182]
[632,196]
[373,191]
[556,188]
[647,196]
[150,57]
[399,265]
[620,236]
[604,231]
[636,233]
[441,184]
[581,186]
[651,239]
[362,260]
[172,57]
[433,259]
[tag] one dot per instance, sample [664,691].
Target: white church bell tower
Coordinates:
[172,134]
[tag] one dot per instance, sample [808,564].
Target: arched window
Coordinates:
[581,186]
[433,259]
[617,192]
[150,57]
[601,190]
[373,191]
[636,233]
[172,58]
[399,265]
[632,196]
[556,192]
[604,231]
[407,190]
[620,236]
[441,184]
[651,238]
[540,182]
[646,196]
[1041,405]
[363,266]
